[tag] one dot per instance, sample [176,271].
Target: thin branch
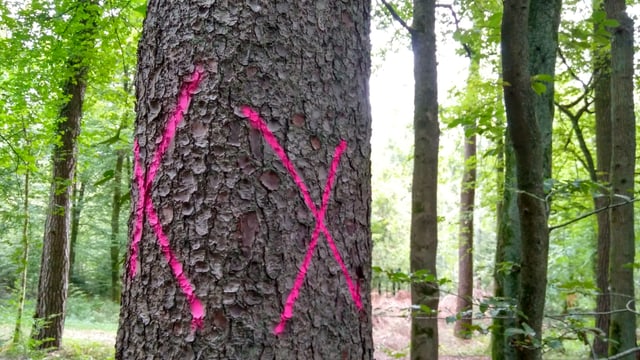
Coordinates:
[396,16]
[622,354]
[596,211]
[466,46]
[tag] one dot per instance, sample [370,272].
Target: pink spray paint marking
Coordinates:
[145,203]
[257,122]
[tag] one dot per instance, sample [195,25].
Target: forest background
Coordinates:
[34,57]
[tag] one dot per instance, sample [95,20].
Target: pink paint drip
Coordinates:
[257,122]
[145,203]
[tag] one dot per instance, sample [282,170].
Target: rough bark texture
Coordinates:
[116,205]
[424,224]
[233,215]
[508,258]
[529,150]
[622,332]
[602,104]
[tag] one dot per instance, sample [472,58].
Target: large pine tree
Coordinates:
[250,223]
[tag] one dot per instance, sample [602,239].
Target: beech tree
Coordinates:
[251,193]
[424,212]
[527,56]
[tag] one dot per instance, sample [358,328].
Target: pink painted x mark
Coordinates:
[319,214]
[144,205]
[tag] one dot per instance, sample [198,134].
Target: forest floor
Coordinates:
[392,328]
[91,335]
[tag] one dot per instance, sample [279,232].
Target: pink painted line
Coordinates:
[197,310]
[137,225]
[145,203]
[257,122]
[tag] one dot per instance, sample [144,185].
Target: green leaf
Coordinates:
[142,9]
[539,87]
[612,23]
[542,77]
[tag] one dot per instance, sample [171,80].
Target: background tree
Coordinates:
[54,269]
[602,104]
[236,228]
[528,142]
[424,214]
[622,333]
[464,304]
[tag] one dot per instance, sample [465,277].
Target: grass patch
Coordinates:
[90,328]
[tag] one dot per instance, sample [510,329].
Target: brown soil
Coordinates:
[391,330]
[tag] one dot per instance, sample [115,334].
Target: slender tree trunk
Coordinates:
[602,103]
[54,269]
[464,303]
[424,224]
[116,205]
[227,209]
[528,146]
[17,332]
[622,251]
[76,211]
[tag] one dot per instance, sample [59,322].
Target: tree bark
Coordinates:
[233,216]
[508,258]
[54,269]
[622,333]
[424,224]
[529,150]
[602,104]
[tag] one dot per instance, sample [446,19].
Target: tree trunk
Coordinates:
[544,20]
[424,223]
[602,104]
[529,150]
[464,303]
[54,268]
[622,334]
[227,210]
[116,205]
[508,258]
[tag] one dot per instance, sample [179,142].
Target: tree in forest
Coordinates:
[424,219]
[251,196]
[622,330]
[54,269]
[525,54]
[602,104]
[464,303]
[599,169]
